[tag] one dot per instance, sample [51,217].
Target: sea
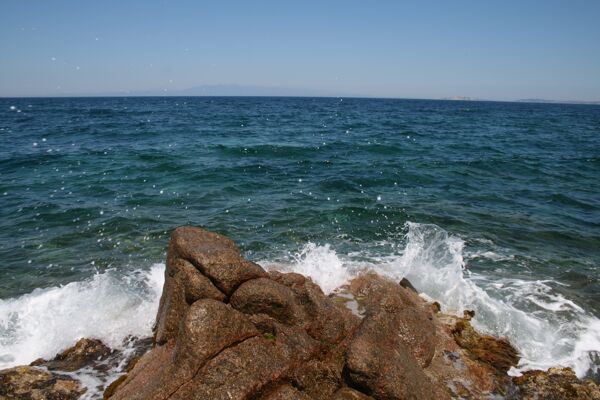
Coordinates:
[485,206]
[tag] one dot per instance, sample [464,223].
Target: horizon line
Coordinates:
[458,100]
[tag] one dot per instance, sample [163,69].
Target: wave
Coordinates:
[108,306]
[547,328]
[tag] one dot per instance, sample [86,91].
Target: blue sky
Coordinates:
[430,49]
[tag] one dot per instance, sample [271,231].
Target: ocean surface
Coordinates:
[487,206]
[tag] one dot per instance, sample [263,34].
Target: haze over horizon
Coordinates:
[506,51]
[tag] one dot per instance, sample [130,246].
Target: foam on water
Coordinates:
[108,307]
[546,328]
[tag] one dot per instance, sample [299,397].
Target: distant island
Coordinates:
[557,101]
[461,98]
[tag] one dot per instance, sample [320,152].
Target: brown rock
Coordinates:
[280,337]
[209,327]
[26,382]
[215,256]
[284,392]
[200,264]
[86,352]
[394,341]
[555,384]
[320,379]
[145,379]
[379,364]
[498,353]
[350,394]
[239,372]
[325,321]
[264,296]
[402,311]
[405,283]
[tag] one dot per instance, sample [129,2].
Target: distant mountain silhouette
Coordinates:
[557,101]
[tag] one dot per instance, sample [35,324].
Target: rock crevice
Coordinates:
[227,329]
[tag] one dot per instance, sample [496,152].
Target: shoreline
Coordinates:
[451,358]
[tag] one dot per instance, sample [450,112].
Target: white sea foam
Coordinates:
[107,306]
[312,259]
[546,328]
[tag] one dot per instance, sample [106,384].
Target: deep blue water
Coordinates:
[95,184]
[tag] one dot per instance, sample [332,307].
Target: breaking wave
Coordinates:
[546,328]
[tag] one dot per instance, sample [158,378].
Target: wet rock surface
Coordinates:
[554,384]
[227,329]
[34,383]
[86,352]
[62,377]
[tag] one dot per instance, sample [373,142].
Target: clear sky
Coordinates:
[427,49]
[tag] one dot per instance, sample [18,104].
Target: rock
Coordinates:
[86,352]
[265,296]
[284,392]
[226,329]
[200,264]
[320,378]
[402,311]
[380,365]
[27,382]
[497,353]
[405,283]
[215,256]
[350,394]
[393,343]
[555,384]
[209,327]
[238,372]
[325,321]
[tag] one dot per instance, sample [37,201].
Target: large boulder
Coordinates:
[392,345]
[226,329]
[200,264]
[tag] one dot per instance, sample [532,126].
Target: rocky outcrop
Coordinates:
[86,352]
[33,383]
[57,379]
[227,329]
[554,384]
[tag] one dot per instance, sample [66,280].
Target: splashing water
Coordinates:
[546,328]
[107,307]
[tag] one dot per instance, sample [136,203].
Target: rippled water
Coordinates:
[484,205]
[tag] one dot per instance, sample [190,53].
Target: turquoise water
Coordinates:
[485,205]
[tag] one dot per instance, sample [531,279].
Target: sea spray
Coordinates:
[107,306]
[546,328]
